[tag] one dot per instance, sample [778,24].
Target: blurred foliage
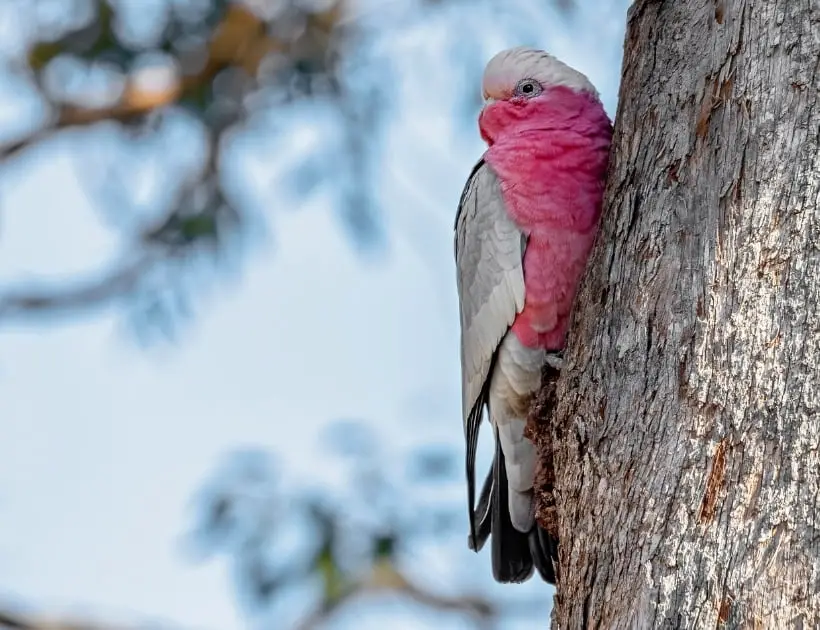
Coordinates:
[343,546]
[220,64]
[224,68]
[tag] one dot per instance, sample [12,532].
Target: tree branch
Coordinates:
[88,294]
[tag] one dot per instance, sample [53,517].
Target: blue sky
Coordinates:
[104,443]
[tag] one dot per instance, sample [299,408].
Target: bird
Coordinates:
[524,228]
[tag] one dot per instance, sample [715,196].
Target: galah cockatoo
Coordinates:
[524,229]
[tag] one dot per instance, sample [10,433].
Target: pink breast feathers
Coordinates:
[552,168]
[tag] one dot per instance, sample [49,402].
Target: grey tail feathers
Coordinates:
[514,553]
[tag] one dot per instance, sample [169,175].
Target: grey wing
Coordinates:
[489,251]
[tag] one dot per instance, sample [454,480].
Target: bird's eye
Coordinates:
[528,88]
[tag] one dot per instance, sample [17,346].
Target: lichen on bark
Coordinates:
[686,429]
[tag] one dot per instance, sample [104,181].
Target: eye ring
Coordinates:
[528,88]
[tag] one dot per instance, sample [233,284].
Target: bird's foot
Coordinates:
[555,360]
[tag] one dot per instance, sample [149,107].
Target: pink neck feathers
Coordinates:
[550,155]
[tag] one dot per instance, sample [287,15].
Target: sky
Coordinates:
[105,442]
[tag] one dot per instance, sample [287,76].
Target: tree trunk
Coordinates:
[687,430]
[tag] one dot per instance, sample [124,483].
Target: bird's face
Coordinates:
[517,84]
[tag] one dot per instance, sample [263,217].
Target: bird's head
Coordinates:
[518,85]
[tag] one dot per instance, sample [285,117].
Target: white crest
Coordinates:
[509,66]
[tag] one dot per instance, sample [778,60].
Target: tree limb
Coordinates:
[15,303]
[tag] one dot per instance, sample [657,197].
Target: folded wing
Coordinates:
[489,251]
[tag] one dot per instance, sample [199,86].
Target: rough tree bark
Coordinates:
[687,427]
